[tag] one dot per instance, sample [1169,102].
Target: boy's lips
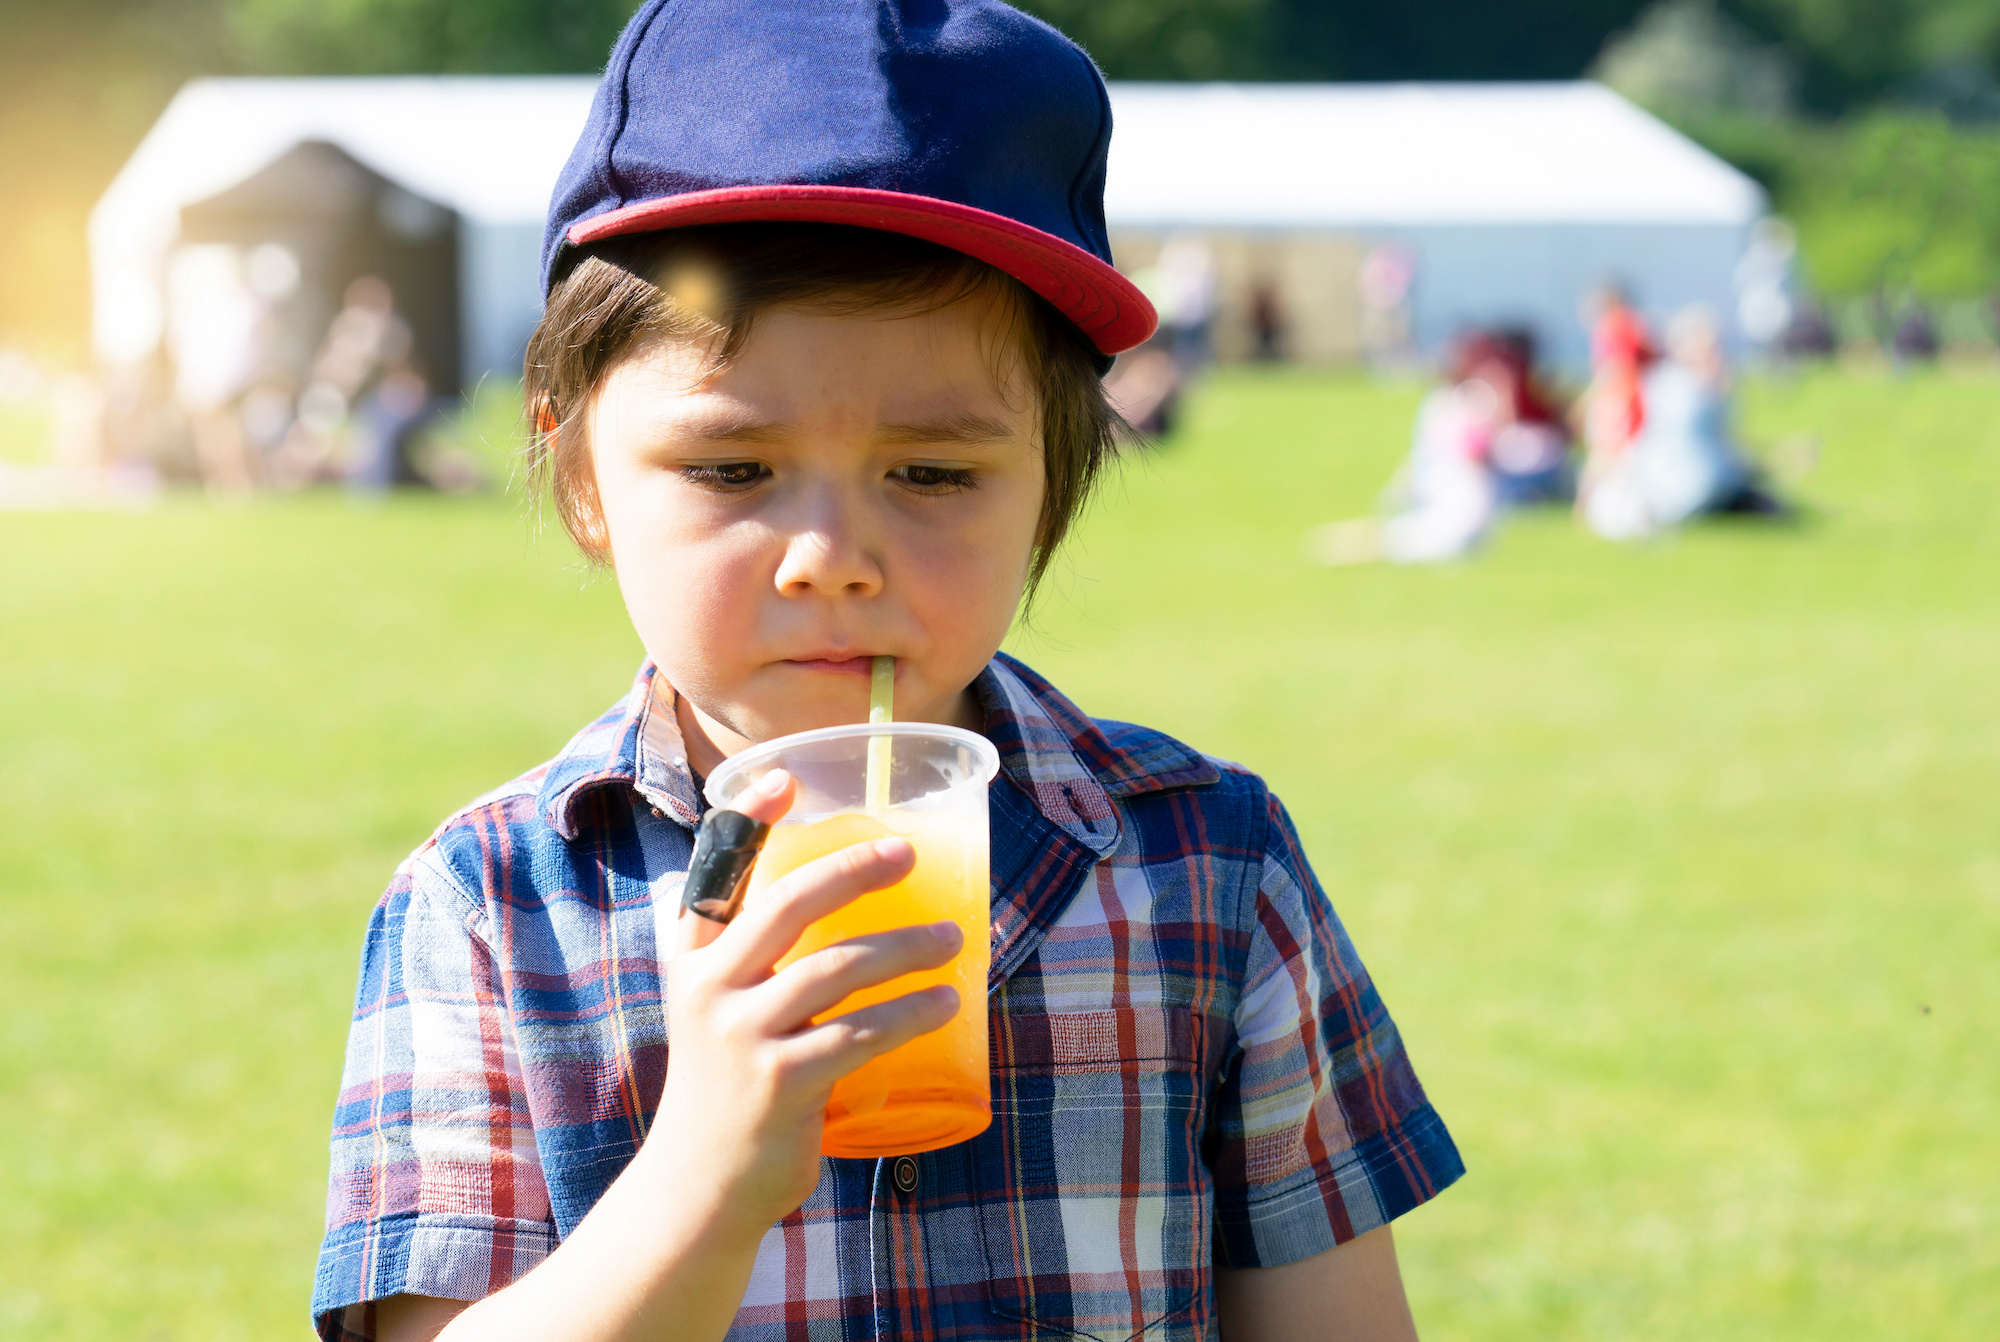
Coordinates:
[835,663]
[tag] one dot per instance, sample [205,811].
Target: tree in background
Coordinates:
[1848,51]
[1897,200]
[1687,60]
[1338,39]
[1445,39]
[1165,39]
[422,36]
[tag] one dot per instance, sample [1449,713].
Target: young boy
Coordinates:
[829,297]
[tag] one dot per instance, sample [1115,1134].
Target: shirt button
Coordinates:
[904,1172]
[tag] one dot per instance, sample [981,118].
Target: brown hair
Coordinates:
[708,284]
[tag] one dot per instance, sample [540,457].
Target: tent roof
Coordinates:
[1361,155]
[487,146]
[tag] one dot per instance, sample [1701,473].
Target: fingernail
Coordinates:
[771,783]
[950,935]
[893,850]
[946,994]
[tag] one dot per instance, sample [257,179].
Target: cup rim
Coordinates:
[751,756]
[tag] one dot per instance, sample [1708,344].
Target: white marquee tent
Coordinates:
[488,148]
[1511,198]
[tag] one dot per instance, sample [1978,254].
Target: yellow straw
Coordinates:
[881,708]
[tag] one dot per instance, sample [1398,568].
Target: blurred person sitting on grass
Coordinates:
[1485,438]
[1530,452]
[829,299]
[1682,462]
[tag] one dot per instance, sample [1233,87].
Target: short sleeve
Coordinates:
[435,1187]
[1322,1129]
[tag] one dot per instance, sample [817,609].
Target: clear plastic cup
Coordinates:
[935,1090]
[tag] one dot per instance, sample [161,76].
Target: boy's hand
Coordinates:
[750,1074]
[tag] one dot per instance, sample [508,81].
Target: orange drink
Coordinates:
[933,1091]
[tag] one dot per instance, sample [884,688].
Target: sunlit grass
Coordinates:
[1677,864]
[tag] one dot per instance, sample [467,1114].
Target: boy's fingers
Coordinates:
[766,929]
[692,931]
[822,980]
[768,798]
[838,1046]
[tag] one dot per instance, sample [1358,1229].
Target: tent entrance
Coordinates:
[333,220]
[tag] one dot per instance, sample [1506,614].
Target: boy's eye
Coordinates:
[726,474]
[935,479]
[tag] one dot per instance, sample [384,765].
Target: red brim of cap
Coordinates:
[1106,307]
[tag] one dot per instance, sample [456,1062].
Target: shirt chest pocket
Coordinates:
[1092,1200]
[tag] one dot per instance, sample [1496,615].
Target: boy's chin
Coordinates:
[784,715]
[770,727]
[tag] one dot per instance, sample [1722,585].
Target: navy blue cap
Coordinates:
[962,122]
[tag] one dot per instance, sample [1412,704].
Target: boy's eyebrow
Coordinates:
[748,429]
[960,427]
[727,427]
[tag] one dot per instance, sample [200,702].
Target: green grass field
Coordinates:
[1678,864]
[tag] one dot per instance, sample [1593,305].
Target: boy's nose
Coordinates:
[830,557]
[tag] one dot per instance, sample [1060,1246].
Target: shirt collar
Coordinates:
[636,744]
[1070,765]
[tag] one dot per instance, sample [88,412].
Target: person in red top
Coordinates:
[1614,406]
[1621,350]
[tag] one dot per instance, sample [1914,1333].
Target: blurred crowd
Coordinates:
[248,396]
[1646,445]
[235,408]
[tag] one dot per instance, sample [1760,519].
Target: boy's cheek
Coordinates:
[687,615]
[991,545]
[690,606]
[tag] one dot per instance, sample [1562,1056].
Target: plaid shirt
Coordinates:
[1190,1065]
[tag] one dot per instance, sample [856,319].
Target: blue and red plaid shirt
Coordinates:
[1190,1065]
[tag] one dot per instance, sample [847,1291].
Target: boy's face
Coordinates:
[845,487]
